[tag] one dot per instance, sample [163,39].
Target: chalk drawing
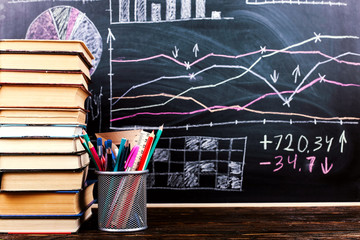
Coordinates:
[67,23]
[297,2]
[199,162]
[139,10]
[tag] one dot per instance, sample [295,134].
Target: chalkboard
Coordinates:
[259,98]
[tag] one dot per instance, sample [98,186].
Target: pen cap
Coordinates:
[99,142]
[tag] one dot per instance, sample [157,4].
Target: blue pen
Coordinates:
[111,156]
[100,147]
[108,156]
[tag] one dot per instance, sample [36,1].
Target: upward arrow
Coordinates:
[110,36]
[196,49]
[342,141]
[296,72]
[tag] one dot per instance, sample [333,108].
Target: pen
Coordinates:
[100,147]
[124,156]
[120,152]
[108,161]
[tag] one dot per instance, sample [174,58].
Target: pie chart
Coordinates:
[67,23]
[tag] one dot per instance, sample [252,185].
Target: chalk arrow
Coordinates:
[195,49]
[274,76]
[176,53]
[296,73]
[326,169]
[110,36]
[342,141]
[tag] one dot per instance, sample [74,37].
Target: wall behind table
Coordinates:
[259,101]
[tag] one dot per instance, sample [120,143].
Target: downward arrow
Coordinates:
[274,76]
[325,168]
[176,53]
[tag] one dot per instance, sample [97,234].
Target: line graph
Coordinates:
[238,107]
[297,2]
[313,77]
[243,68]
[262,50]
[286,101]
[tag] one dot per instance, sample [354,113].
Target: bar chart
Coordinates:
[144,11]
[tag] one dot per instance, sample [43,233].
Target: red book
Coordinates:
[146,151]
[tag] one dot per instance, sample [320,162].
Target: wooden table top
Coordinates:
[232,223]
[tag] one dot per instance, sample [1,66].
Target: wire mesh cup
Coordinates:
[122,201]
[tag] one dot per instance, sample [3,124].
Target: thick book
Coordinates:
[44,224]
[60,180]
[46,203]
[34,145]
[35,115]
[28,130]
[47,45]
[43,76]
[43,95]
[43,161]
[44,60]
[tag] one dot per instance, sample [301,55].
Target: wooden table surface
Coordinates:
[232,223]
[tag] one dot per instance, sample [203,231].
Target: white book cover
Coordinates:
[9,130]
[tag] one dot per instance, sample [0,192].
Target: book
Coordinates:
[35,115]
[46,203]
[44,76]
[47,45]
[43,180]
[44,224]
[27,130]
[35,145]
[43,95]
[44,60]
[43,161]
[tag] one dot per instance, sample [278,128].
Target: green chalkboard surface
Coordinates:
[259,98]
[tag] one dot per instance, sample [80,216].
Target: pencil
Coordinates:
[90,153]
[153,146]
[146,151]
[95,155]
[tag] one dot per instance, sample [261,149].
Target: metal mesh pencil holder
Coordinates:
[122,201]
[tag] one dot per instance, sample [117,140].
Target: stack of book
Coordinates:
[43,164]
